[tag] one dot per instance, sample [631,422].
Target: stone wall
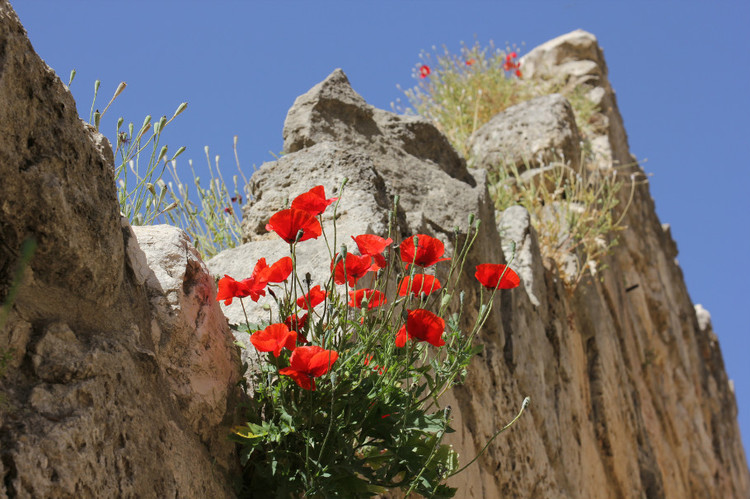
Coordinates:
[122,372]
[122,375]
[629,394]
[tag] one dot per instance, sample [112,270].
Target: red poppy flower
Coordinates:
[297,324]
[313,201]
[356,267]
[287,223]
[420,283]
[374,298]
[427,253]
[228,210]
[424,71]
[422,325]
[230,289]
[518,73]
[491,276]
[470,62]
[307,363]
[274,338]
[372,245]
[279,271]
[313,298]
[510,64]
[258,280]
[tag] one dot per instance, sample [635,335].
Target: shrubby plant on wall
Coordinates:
[349,373]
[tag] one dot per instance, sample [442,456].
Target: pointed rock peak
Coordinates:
[577,53]
[330,110]
[336,86]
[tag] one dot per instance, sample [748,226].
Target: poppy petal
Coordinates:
[288,223]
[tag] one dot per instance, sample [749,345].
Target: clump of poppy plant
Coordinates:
[340,405]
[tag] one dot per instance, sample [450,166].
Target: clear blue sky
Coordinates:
[681,72]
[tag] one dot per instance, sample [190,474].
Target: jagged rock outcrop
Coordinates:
[122,374]
[629,394]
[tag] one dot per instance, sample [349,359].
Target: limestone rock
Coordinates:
[575,59]
[520,245]
[529,135]
[332,110]
[629,394]
[41,196]
[121,380]
[191,337]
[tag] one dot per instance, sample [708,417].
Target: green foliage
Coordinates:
[214,224]
[374,422]
[146,198]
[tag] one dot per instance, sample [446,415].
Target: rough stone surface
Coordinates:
[521,248]
[122,373]
[529,135]
[40,195]
[575,59]
[122,376]
[333,109]
[629,394]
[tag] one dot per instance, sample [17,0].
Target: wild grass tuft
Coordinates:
[210,214]
[575,213]
[463,91]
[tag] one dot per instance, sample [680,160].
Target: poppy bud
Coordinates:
[162,123]
[300,233]
[119,122]
[266,306]
[343,251]
[461,299]
[446,298]
[404,314]
[526,402]
[471,218]
[179,151]
[180,109]
[308,279]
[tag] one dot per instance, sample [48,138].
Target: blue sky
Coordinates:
[681,72]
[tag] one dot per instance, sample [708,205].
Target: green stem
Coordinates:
[525,404]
